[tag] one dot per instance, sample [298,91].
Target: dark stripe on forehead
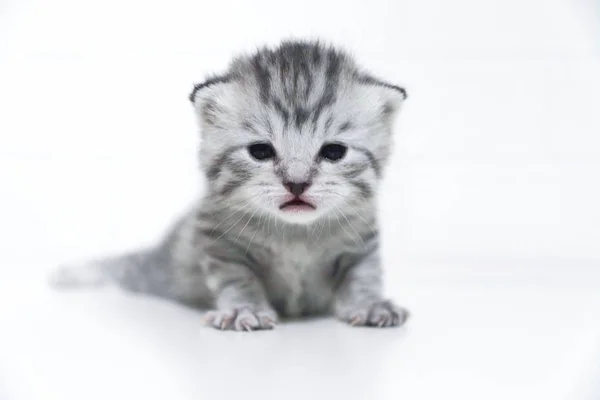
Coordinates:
[328,123]
[301,116]
[285,78]
[308,83]
[372,160]
[249,126]
[332,77]
[302,76]
[325,101]
[263,79]
[345,126]
[316,54]
[285,114]
[268,124]
[334,62]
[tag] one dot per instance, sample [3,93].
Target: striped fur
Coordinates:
[236,251]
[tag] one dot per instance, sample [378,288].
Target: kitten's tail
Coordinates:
[133,271]
[68,276]
[149,271]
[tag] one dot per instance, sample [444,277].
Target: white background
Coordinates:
[490,209]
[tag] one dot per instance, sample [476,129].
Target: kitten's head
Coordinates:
[297,131]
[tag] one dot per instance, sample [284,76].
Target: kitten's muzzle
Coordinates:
[298,202]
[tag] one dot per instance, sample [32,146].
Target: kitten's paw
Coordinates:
[380,314]
[242,319]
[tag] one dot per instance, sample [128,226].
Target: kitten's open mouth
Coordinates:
[297,205]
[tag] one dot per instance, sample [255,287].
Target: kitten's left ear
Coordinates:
[399,91]
[394,97]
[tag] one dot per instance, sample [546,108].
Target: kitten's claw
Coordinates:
[268,322]
[381,314]
[246,325]
[242,319]
[225,324]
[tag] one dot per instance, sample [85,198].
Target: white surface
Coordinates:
[491,217]
[492,341]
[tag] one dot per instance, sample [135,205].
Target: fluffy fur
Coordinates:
[237,252]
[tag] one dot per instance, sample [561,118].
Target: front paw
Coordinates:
[379,314]
[244,318]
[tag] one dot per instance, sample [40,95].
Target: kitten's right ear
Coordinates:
[207,98]
[200,87]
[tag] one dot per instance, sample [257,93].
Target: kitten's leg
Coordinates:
[239,298]
[359,301]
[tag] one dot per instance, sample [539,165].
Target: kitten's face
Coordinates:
[297,158]
[299,175]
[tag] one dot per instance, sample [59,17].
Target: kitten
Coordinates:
[294,142]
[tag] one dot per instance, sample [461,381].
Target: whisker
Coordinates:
[359,215]
[247,222]
[245,201]
[321,231]
[226,218]
[343,198]
[342,226]
[255,231]
[231,227]
[313,229]
[352,227]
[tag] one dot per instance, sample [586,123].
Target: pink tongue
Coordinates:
[296,204]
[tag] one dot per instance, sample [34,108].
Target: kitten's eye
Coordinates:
[261,151]
[333,151]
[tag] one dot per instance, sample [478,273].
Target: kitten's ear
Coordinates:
[202,88]
[393,95]
[207,98]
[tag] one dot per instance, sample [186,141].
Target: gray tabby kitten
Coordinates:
[294,141]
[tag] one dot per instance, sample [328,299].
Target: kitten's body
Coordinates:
[241,250]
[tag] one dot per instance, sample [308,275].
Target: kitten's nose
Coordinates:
[296,188]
